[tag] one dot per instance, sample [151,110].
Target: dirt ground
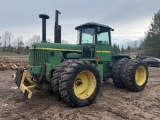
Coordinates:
[111,104]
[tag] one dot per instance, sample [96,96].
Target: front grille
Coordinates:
[38,57]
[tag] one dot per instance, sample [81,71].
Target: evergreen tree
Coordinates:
[122,50]
[152,38]
[116,48]
[128,48]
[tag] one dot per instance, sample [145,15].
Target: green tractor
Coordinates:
[75,72]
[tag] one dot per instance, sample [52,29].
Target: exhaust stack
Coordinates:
[44,17]
[57,29]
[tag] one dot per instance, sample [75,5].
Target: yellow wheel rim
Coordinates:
[84,84]
[140,75]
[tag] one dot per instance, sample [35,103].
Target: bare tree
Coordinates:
[36,38]
[20,44]
[7,37]
[49,40]
[0,44]
[135,44]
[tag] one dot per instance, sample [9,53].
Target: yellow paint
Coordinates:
[31,87]
[84,84]
[103,51]
[29,80]
[56,49]
[141,75]
[23,87]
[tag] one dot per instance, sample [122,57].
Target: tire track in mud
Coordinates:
[111,103]
[119,102]
[24,108]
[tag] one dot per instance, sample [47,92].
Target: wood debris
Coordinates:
[6,63]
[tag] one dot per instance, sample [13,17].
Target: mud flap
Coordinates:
[20,80]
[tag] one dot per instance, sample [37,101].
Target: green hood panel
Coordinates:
[57,46]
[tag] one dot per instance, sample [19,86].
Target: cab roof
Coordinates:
[94,25]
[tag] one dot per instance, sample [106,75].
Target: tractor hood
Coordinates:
[57,47]
[50,55]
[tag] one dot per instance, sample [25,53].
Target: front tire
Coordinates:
[80,83]
[57,75]
[135,75]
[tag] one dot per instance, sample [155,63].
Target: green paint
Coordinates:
[73,56]
[100,67]
[94,45]
[116,57]
[92,24]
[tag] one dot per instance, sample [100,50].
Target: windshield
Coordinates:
[88,36]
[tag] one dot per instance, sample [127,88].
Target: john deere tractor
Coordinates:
[75,72]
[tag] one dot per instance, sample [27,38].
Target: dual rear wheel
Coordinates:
[131,74]
[76,82]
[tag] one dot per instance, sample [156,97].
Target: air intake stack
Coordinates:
[44,17]
[57,29]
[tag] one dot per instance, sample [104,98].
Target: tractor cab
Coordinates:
[95,38]
[93,33]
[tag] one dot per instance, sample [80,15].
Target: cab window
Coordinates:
[103,37]
[88,36]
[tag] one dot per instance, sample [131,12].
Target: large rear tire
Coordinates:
[80,83]
[57,75]
[135,75]
[116,72]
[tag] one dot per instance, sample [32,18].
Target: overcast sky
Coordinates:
[129,18]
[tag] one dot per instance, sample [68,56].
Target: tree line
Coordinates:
[8,43]
[131,46]
[152,37]
[150,46]
[17,45]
